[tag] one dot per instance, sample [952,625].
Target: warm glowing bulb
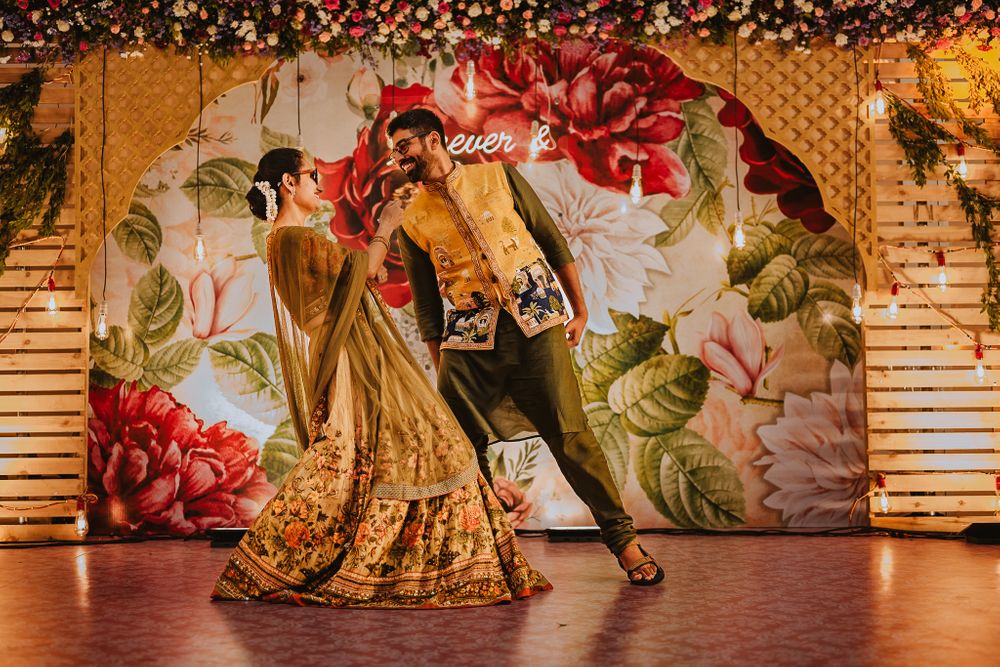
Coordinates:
[534,148]
[980,369]
[739,237]
[883,494]
[470,81]
[963,167]
[52,307]
[102,321]
[82,526]
[877,107]
[893,310]
[635,192]
[942,279]
[857,313]
[199,248]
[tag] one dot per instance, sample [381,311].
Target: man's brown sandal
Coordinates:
[645,560]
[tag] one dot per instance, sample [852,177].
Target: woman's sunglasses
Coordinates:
[313,173]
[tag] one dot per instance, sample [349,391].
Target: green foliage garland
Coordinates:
[984,82]
[919,138]
[32,175]
[979,209]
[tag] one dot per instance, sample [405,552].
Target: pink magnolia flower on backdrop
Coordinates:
[607,105]
[156,469]
[736,350]
[817,456]
[220,298]
[361,184]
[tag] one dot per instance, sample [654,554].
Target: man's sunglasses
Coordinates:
[313,173]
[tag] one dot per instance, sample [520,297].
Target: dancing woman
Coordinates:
[386,506]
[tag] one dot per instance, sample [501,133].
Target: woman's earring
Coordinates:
[291,192]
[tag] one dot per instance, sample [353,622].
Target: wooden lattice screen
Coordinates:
[43,363]
[933,429]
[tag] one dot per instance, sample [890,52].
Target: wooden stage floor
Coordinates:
[726,601]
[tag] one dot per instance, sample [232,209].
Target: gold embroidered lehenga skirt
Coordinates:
[325,539]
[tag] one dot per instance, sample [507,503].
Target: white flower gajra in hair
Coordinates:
[271,211]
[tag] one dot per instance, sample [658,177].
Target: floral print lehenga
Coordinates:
[386,506]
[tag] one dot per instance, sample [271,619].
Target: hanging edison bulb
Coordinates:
[102,321]
[857,312]
[52,307]
[963,166]
[200,252]
[739,236]
[470,81]
[635,192]
[81,527]
[877,106]
[893,310]
[980,368]
[533,148]
[942,276]
[883,494]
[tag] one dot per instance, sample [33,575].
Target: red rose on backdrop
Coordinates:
[599,100]
[156,468]
[359,186]
[774,170]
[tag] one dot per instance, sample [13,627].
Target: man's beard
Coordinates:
[419,170]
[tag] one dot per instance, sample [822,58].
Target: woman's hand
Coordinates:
[391,219]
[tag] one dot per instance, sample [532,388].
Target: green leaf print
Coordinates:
[825,319]
[824,256]
[121,354]
[139,235]
[249,371]
[661,394]
[778,290]
[612,438]
[172,364]
[762,245]
[156,306]
[280,453]
[689,481]
[224,185]
[607,357]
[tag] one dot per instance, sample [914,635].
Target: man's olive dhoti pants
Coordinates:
[537,374]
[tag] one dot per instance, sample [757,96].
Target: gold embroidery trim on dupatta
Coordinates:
[408,492]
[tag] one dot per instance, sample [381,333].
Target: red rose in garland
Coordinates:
[359,186]
[157,470]
[774,170]
[599,100]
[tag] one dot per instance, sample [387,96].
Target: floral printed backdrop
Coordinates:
[723,384]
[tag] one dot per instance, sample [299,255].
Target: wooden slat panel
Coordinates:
[971,482]
[927,234]
[879,442]
[890,151]
[977,170]
[902,337]
[921,358]
[881,130]
[63,509]
[925,462]
[34,319]
[44,403]
[900,504]
[44,340]
[56,424]
[69,232]
[960,297]
[927,524]
[926,255]
[14,300]
[922,378]
[925,399]
[43,361]
[42,445]
[895,212]
[971,317]
[39,488]
[896,421]
[39,257]
[44,381]
[38,533]
[41,466]
[957,275]
[19,278]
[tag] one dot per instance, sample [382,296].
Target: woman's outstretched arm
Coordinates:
[378,248]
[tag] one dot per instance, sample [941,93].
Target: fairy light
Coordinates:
[883,493]
[739,236]
[893,310]
[635,192]
[81,525]
[877,106]
[942,276]
[102,310]
[102,321]
[470,81]
[200,251]
[857,312]
[534,148]
[52,308]
[980,369]
[963,167]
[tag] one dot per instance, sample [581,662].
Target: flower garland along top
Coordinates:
[60,29]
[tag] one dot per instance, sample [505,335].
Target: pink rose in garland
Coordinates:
[157,470]
[774,170]
[360,184]
[600,101]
